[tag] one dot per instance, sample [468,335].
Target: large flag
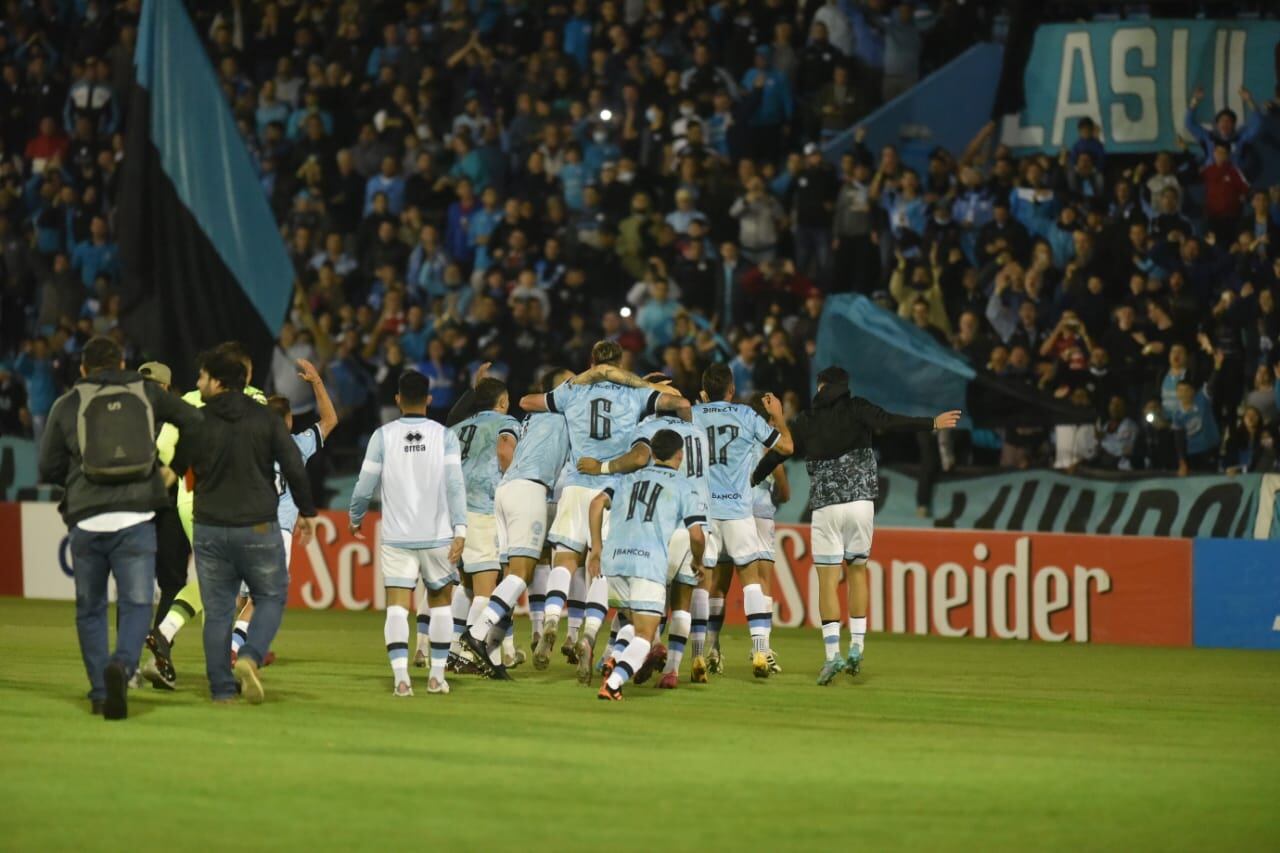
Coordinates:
[202,258]
[901,368]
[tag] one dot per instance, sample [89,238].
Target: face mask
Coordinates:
[651,115]
[626,177]
[686,111]
[599,136]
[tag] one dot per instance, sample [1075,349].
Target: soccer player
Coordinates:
[651,503]
[418,464]
[835,439]
[683,574]
[765,498]
[735,435]
[523,513]
[309,441]
[602,407]
[187,604]
[488,442]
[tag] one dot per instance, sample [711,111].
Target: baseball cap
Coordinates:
[157,372]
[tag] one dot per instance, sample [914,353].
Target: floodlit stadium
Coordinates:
[761,424]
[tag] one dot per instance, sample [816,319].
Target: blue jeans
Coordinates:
[813,252]
[225,556]
[129,555]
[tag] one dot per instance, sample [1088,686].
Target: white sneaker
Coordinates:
[420,658]
[403,690]
[437,686]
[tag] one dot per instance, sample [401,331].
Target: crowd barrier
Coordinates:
[1046,587]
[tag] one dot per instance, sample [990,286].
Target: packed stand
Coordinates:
[508,182]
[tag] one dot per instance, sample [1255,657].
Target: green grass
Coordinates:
[941,744]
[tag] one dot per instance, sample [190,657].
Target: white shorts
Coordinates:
[520,509]
[572,528]
[402,567]
[638,594]
[286,536]
[480,553]
[842,532]
[765,530]
[732,541]
[680,559]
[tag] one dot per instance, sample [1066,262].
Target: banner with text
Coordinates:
[1135,79]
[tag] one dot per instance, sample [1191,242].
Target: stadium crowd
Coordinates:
[507,182]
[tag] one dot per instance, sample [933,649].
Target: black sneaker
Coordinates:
[479,652]
[116,705]
[162,651]
[500,673]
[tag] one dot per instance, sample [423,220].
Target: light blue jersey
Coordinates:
[697,462]
[602,421]
[478,440]
[735,434]
[308,441]
[543,448]
[647,507]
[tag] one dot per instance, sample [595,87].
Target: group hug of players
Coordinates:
[615,491]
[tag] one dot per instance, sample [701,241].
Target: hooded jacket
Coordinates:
[60,453]
[234,454]
[835,439]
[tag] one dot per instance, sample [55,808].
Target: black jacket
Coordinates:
[60,453]
[835,439]
[234,454]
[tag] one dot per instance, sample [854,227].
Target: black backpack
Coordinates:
[116,430]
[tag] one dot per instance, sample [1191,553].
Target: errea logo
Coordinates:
[413,442]
[413,437]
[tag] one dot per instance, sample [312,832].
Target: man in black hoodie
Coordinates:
[835,440]
[234,455]
[109,517]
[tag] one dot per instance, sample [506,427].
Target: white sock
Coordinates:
[753,601]
[239,634]
[172,624]
[577,602]
[715,620]
[857,632]
[458,610]
[681,620]
[831,639]
[626,635]
[538,598]
[597,607]
[498,608]
[441,634]
[396,632]
[558,580]
[479,604]
[632,659]
[699,608]
[768,631]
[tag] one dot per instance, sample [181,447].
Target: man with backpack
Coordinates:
[100,444]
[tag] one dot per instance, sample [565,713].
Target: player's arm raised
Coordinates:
[784,444]
[324,405]
[633,460]
[601,502]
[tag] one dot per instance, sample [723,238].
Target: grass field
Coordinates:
[940,744]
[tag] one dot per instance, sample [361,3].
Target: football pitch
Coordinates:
[940,744]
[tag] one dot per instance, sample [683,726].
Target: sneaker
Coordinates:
[698,674]
[570,651]
[760,665]
[250,685]
[533,643]
[774,666]
[514,660]
[153,674]
[853,663]
[479,654]
[655,661]
[585,657]
[420,659]
[829,671]
[162,651]
[116,705]
[608,694]
[135,680]
[606,666]
[715,664]
[542,654]
[669,681]
[437,685]
[269,658]
[403,690]
[459,665]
